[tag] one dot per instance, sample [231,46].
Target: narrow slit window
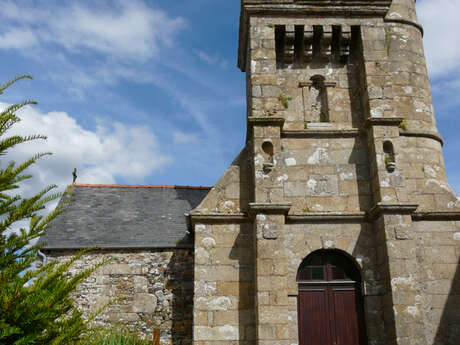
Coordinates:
[280,44]
[299,45]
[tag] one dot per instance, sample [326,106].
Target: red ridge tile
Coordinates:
[138,186]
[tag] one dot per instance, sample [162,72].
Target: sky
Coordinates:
[148,92]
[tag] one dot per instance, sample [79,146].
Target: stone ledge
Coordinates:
[350,8]
[406,22]
[269,208]
[266,121]
[322,133]
[218,218]
[327,217]
[398,208]
[310,83]
[318,2]
[419,216]
[422,134]
[383,121]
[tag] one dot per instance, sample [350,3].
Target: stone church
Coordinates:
[335,225]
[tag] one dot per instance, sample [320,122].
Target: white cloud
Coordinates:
[211,60]
[100,156]
[446,91]
[18,39]
[121,29]
[442,41]
[442,50]
[89,45]
[184,138]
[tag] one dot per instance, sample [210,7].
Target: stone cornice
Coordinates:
[433,216]
[269,208]
[327,217]
[310,83]
[323,7]
[406,22]
[383,121]
[266,121]
[398,208]
[422,134]
[321,133]
[218,218]
[332,3]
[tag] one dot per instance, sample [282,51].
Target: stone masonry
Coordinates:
[342,154]
[147,289]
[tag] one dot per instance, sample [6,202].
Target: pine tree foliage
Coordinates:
[35,304]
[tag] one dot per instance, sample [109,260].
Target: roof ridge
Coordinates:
[139,186]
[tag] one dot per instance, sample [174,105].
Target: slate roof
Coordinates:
[120,216]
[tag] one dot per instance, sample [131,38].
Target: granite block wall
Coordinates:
[224,285]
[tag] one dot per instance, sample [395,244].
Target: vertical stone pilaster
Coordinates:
[387,175]
[266,150]
[271,298]
[396,248]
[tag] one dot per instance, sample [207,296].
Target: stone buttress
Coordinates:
[342,153]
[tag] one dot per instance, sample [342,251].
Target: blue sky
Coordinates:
[147,92]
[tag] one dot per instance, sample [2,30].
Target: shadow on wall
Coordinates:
[379,300]
[179,279]
[448,332]
[365,250]
[242,251]
[359,158]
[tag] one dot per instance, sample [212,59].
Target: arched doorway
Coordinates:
[330,303]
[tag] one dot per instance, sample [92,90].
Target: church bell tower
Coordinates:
[340,194]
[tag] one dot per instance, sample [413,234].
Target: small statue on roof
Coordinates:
[74,174]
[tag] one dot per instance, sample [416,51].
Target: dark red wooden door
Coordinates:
[314,316]
[329,303]
[343,315]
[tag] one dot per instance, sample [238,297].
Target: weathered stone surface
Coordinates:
[226,332]
[144,303]
[224,288]
[155,287]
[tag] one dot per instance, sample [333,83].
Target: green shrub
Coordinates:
[113,336]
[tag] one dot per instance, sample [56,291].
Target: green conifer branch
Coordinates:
[11,82]
[36,305]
